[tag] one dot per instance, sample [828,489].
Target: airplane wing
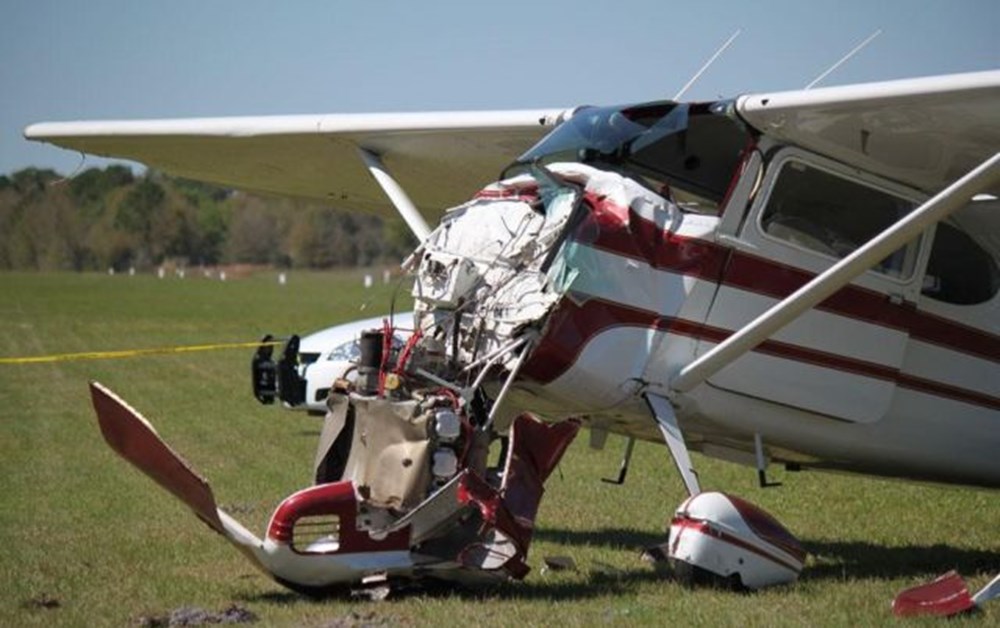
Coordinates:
[924,132]
[440,158]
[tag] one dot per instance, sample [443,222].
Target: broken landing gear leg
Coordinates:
[666,420]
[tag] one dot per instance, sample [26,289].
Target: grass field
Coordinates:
[86,540]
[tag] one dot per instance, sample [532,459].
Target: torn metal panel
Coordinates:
[390,454]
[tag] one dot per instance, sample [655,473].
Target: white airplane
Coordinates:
[806,278]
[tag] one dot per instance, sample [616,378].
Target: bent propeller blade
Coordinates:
[134,439]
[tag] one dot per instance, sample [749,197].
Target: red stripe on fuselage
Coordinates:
[572,326]
[623,232]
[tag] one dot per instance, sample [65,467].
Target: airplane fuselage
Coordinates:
[867,382]
[894,375]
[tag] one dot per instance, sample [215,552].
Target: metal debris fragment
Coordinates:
[655,554]
[558,563]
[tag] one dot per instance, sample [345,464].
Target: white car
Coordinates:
[308,366]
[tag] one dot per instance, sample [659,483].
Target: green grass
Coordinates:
[81,527]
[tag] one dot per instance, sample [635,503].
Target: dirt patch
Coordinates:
[356,619]
[42,601]
[193,616]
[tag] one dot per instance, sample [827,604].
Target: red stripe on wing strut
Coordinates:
[576,321]
[620,231]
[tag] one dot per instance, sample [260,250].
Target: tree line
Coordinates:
[112,218]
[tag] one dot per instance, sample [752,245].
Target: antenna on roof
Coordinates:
[701,71]
[844,59]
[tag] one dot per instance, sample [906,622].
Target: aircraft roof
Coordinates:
[923,132]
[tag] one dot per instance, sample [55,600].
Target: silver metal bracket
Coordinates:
[623,469]
[758,447]
[666,420]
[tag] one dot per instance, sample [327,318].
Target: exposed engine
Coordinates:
[412,431]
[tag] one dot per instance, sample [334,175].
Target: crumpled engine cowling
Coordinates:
[487,279]
[482,268]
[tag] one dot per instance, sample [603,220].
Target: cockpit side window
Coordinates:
[959,270]
[830,214]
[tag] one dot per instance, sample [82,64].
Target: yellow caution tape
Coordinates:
[131,353]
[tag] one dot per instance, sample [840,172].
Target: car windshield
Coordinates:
[689,152]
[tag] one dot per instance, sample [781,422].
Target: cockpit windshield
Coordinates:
[689,151]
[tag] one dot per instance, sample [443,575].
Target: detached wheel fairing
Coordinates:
[727,536]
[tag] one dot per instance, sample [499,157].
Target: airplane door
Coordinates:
[842,358]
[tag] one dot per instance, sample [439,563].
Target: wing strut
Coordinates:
[414,220]
[839,275]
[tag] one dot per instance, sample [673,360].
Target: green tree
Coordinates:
[135,214]
[33,180]
[93,185]
[254,233]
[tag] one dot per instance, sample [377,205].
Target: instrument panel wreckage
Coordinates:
[806,278]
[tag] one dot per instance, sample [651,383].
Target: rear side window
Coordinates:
[833,215]
[959,270]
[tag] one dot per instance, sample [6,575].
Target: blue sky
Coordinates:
[68,60]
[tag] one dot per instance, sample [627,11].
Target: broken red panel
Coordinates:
[535,450]
[947,595]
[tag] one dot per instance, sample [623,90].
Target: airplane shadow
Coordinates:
[860,559]
[596,584]
[830,560]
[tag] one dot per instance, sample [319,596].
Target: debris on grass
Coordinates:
[558,563]
[378,593]
[374,588]
[356,619]
[193,616]
[43,600]
[655,554]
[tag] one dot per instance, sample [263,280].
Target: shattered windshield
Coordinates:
[687,152]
